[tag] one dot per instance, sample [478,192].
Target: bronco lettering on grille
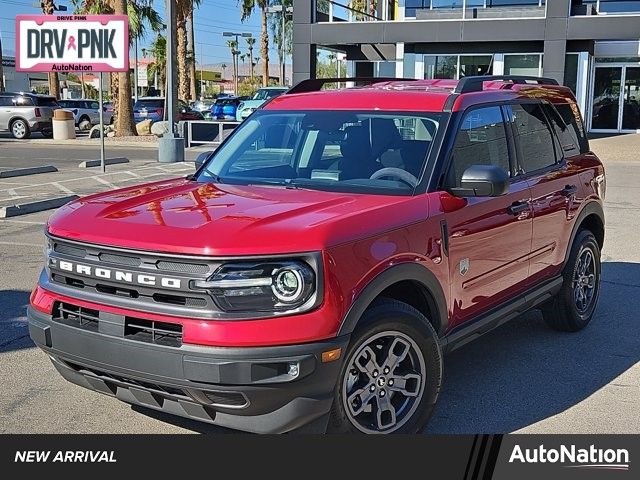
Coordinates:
[120,276]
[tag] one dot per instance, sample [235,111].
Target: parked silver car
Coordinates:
[23,113]
[86,113]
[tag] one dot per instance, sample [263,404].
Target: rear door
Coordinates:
[94,112]
[6,104]
[553,179]
[489,237]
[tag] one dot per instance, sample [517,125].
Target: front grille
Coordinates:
[136,329]
[151,331]
[69,250]
[120,259]
[86,284]
[76,316]
[188,268]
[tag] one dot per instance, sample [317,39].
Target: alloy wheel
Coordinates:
[19,129]
[584,280]
[384,382]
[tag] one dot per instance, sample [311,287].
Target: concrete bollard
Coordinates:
[64,126]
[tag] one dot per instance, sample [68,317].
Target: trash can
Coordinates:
[64,126]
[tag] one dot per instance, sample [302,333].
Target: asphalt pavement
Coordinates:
[522,377]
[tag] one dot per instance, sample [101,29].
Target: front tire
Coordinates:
[20,129]
[391,377]
[573,307]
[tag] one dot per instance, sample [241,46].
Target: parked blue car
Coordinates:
[225,108]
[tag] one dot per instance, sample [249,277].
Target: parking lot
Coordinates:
[522,377]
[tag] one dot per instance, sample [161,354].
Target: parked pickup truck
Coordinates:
[317,267]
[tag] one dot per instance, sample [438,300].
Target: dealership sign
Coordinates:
[72,43]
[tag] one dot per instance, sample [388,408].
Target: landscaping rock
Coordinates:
[144,127]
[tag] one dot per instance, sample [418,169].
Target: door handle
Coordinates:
[516,208]
[569,190]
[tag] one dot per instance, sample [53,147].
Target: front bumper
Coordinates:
[249,389]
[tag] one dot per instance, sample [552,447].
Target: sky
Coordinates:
[211,19]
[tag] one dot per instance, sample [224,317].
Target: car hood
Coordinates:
[187,217]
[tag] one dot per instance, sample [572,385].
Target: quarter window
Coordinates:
[481,140]
[535,141]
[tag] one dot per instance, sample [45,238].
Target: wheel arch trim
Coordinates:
[390,276]
[593,207]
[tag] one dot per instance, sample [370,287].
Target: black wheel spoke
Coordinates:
[408,385]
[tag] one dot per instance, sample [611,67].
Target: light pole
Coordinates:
[283,51]
[236,35]
[1,69]
[135,69]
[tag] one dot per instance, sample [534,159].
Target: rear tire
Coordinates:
[84,123]
[392,373]
[573,307]
[20,129]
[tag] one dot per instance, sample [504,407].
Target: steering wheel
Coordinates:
[398,173]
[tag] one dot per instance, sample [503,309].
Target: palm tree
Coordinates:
[233,45]
[276,30]
[48,8]
[124,123]
[250,43]
[247,9]
[158,50]
[224,68]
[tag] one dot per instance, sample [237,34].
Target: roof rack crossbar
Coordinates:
[475,84]
[316,84]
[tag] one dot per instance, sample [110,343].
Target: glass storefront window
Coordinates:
[475,65]
[440,67]
[409,68]
[523,65]
[411,6]
[614,6]
[571,71]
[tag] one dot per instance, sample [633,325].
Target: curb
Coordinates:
[107,161]
[19,172]
[32,207]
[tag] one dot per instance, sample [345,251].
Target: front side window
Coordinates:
[533,137]
[481,140]
[359,152]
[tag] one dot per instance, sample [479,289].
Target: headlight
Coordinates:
[241,106]
[265,286]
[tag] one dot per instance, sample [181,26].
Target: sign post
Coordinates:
[102,162]
[74,43]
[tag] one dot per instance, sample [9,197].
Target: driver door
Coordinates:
[489,237]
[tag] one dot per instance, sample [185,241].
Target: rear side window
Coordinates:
[571,116]
[566,133]
[535,141]
[5,102]
[46,102]
[481,140]
[23,101]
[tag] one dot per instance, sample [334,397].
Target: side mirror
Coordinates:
[201,159]
[482,181]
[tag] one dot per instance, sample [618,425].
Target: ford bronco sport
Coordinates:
[319,264]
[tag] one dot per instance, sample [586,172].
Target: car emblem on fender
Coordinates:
[464,266]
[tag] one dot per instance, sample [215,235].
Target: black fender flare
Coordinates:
[591,208]
[395,274]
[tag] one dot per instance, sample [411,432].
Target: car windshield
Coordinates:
[267,93]
[360,152]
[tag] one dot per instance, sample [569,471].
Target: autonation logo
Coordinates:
[573,457]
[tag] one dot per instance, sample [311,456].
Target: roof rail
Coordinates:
[316,84]
[476,84]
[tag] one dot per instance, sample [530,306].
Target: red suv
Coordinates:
[319,264]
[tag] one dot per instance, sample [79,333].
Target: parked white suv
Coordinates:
[23,113]
[86,113]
